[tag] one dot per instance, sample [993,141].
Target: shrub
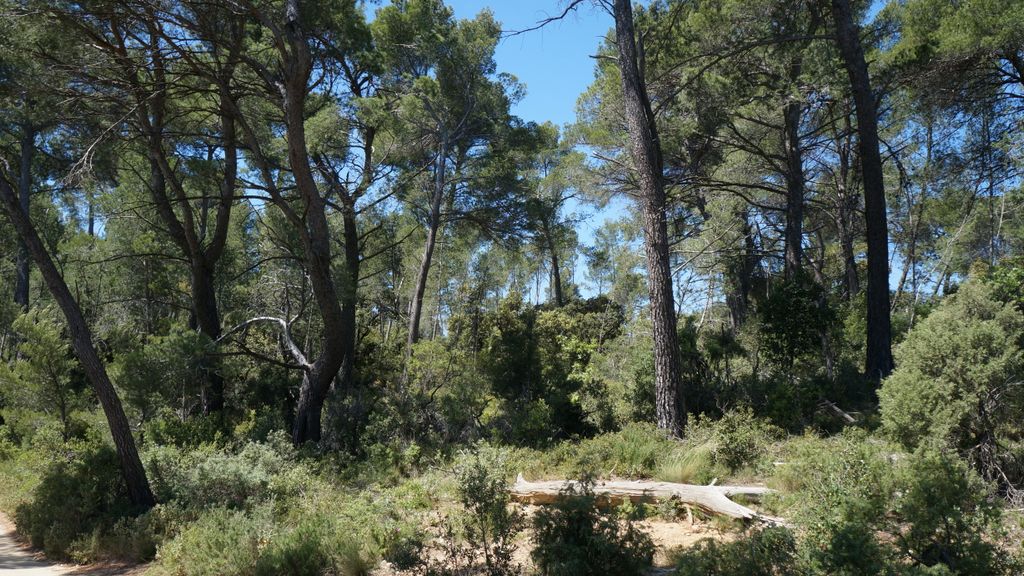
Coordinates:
[716,448]
[489,522]
[314,547]
[574,537]
[221,542]
[209,477]
[635,452]
[80,492]
[792,318]
[765,552]
[866,508]
[958,380]
[41,377]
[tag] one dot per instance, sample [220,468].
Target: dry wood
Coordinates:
[711,499]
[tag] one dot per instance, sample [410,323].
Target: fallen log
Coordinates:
[711,499]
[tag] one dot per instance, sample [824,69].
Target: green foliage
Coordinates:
[220,543]
[80,493]
[211,477]
[164,372]
[633,452]
[958,380]
[720,448]
[792,318]
[574,536]
[485,530]
[43,377]
[538,363]
[492,523]
[866,508]
[764,552]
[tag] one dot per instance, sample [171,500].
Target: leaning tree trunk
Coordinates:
[81,341]
[646,153]
[879,361]
[22,266]
[416,306]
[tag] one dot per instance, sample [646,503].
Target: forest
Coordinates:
[288,287]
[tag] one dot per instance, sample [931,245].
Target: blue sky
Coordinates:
[554,62]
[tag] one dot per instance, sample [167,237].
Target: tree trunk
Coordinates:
[794,236]
[879,361]
[741,271]
[23,266]
[556,267]
[349,296]
[204,304]
[81,340]
[646,153]
[416,306]
[308,412]
[314,233]
[556,278]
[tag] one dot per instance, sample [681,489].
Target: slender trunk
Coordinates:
[556,267]
[794,236]
[879,361]
[416,306]
[845,225]
[556,278]
[646,154]
[436,324]
[846,206]
[738,298]
[349,296]
[23,266]
[81,341]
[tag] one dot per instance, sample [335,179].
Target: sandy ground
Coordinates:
[17,559]
[667,537]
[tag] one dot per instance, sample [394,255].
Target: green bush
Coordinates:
[80,493]
[719,448]
[211,477]
[957,381]
[221,542]
[491,522]
[313,548]
[864,507]
[574,537]
[635,452]
[765,552]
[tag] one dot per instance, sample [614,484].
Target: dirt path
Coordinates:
[16,559]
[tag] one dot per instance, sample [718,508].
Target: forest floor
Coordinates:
[18,559]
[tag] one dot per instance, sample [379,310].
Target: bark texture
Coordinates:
[23,261]
[433,225]
[879,360]
[81,341]
[711,499]
[645,150]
